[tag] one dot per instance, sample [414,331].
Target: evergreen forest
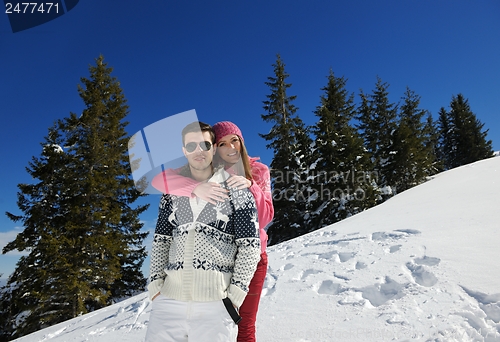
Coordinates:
[361,151]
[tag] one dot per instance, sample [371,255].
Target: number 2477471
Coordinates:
[31,7]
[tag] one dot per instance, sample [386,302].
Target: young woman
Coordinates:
[246,172]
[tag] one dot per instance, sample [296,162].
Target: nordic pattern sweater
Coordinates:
[171,181]
[204,252]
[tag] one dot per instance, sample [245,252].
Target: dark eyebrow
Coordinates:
[230,139]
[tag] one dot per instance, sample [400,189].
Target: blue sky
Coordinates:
[214,56]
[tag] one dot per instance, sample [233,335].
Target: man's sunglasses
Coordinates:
[205,146]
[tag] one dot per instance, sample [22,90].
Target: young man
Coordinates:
[203,255]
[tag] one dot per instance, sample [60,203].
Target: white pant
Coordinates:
[175,321]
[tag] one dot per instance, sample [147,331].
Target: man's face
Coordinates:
[198,159]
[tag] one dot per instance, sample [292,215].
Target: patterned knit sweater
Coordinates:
[172,181]
[205,252]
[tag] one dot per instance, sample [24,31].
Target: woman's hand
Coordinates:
[211,192]
[239,182]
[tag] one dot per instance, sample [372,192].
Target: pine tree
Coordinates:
[342,176]
[298,190]
[377,124]
[38,284]
[431,133]
[461,133]
[471,143]
[6,313]
[102,144]
[413,152]
[291,144]
[80,229]
[445,142]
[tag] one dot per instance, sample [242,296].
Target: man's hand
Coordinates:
[211,192]
[239,182]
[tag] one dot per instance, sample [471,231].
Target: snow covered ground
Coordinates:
[423,266]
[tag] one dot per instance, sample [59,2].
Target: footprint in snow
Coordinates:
[269,283]
[394,249]
[398,234]
[421,275]
[379,294]
[345,256]
[330,288]
[427,261]
[308,272]
[382,236]
[327,255]
[360,265]
[342,256]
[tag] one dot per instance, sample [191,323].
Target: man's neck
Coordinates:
[201,175]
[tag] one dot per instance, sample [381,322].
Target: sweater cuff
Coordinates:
[154,288]
[236,295]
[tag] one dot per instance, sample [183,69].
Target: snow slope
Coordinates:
[423,266]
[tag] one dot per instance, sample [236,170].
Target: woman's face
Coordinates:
[229,148]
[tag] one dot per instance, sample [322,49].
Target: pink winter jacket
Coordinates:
[260,188]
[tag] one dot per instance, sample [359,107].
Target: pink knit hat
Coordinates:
[224,128]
